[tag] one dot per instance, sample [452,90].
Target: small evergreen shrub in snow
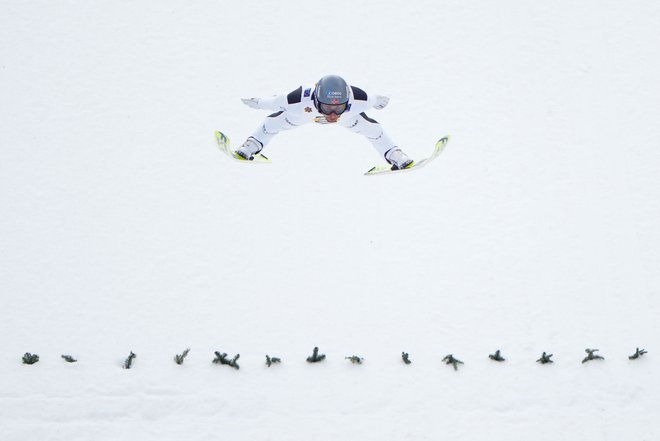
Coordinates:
[496,356]
[129,361]
[222,359]
[355,359]
[638,353]
[449,359]
[30,358]
[405,357]
[545,358]
[270,361]
[315,358]
[179,359]
[69,359]
[590,355]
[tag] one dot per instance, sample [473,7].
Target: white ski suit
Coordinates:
[297,108]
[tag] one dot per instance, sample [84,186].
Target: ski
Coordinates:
[439,147]
[224,144]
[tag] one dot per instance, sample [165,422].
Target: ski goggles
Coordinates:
[328,109]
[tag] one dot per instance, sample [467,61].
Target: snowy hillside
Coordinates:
[123,228]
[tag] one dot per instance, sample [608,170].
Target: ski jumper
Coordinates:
[297,108]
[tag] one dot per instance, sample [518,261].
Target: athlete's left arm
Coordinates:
[368,100]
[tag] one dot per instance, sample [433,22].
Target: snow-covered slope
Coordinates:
[123,228]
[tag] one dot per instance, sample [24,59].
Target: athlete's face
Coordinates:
[332,111]
[333,117]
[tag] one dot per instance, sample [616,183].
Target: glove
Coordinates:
[251,102]
[381,102]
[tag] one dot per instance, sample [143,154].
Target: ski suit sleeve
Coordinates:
[277,102]
[280,102]
[377,101]
[364,101]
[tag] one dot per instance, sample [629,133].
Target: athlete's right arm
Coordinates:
[271,103]
[276,102]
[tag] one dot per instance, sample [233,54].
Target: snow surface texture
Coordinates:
[123,228]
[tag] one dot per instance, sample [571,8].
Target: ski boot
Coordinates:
[398,159]
[250,147]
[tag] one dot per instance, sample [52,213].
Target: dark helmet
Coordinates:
[333,91]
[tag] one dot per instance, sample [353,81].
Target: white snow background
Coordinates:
[123,228]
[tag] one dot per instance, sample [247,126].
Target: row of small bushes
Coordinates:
[222,358]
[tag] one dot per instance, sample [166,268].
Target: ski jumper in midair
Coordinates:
[331,101]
